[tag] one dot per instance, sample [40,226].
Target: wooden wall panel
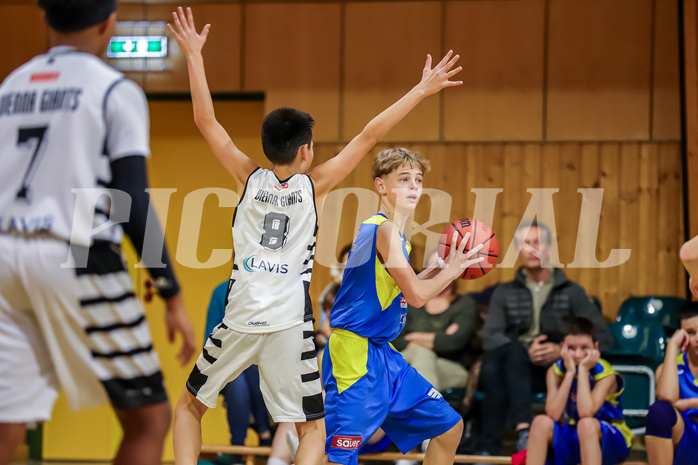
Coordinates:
[298,65]
[386,46]
[221,52]
[640,211]
[599,70]
[23,30]
[501,47]
[666,105]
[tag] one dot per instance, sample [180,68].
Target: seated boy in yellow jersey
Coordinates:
[368,383]
[588,390]
[268,316]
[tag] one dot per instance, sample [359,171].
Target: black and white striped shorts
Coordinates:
[117,330]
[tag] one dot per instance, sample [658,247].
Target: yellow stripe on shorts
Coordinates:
[349,355]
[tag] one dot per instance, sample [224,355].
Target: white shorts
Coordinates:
[43,346]
[288,370]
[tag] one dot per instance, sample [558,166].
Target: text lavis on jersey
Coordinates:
[50,100]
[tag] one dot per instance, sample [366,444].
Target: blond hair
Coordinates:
[389,160]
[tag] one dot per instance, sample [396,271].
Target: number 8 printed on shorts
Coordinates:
[275,231]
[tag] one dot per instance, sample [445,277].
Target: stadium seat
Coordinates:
[660,310]
[638,348]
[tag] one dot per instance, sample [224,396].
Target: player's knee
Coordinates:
[588,427]
[542,424]
[661,419]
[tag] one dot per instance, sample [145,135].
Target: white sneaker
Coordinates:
[406,462]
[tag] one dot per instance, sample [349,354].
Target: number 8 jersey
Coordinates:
[64,117]
[274,229]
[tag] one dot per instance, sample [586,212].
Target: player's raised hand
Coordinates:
[184,32]
[433,80]
[459,259]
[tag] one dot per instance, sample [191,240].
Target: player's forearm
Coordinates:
[423,290]
[555,405]
[585,401]
[668,379]
[202,102]
[379,126]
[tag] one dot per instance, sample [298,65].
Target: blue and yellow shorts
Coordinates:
[687,450]
[614,448]
[371,386]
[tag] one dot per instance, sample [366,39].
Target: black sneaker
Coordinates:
[522,441]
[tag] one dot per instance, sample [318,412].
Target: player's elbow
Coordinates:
[203,120]
[415,299]
[554,415]
[689,251]
[585,412]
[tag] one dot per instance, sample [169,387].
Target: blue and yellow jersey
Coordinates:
[611,410]
[369,302]
[688,384]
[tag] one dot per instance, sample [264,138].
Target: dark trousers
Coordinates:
[507,380]
[242,396]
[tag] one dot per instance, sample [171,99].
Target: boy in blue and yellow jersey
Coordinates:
[588,390]
[369,384]
[672,421]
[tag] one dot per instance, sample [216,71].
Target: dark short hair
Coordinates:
[76,15]
[578,326]
[284,132]
[687,310]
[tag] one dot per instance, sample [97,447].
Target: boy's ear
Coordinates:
[303,152]
[380,187]
[596,345]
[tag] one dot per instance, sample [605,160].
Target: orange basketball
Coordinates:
[480,233]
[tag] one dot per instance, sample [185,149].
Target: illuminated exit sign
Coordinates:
[137,47]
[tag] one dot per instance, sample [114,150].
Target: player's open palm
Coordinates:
[189,41]
[433,80]
[459,258]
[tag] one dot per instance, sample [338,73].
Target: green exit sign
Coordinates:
[137,47]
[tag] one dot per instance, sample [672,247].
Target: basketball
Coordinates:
[480,233]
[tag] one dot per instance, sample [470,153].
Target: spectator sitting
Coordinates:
[435,336]
[242,396]
[522,334]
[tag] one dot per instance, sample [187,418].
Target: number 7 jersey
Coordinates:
[64,117]
[274,229]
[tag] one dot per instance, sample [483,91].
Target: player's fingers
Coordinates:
[427,65]
[177,20]
[445,59]
[464,243]
[451,62]
[190,19]
[474,250]
[474,261]
[453,72]
[204,32]
[454,241]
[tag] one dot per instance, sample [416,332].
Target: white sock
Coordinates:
[276,461]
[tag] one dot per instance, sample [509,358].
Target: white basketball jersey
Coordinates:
[64,116]
[274,230]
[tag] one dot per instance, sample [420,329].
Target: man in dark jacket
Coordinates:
[522,334]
